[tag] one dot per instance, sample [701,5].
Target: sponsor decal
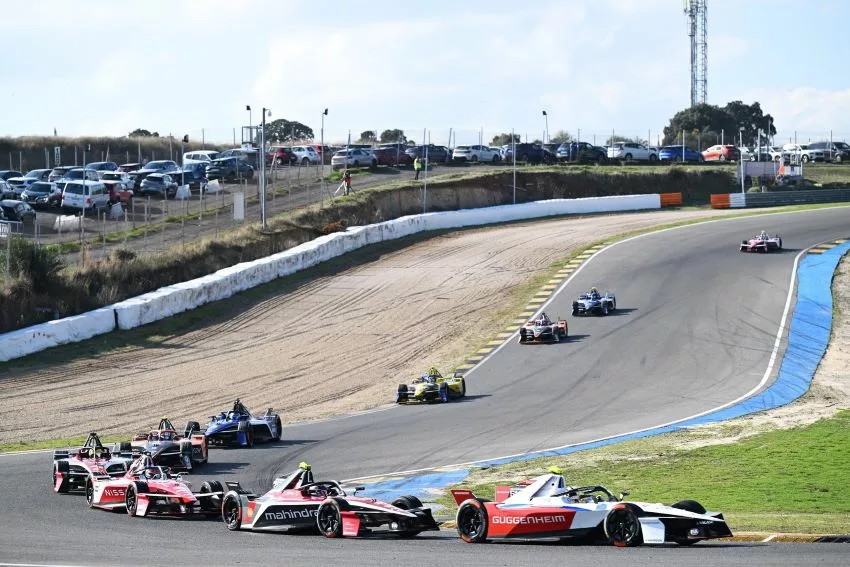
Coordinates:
[557,519]
[114,492]
[291,514]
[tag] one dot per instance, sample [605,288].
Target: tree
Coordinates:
[367,137]
[537,141]
[617,138]
[561,137]
[394,135]
[142,133]
[504,139]
[282,130]
[751,118]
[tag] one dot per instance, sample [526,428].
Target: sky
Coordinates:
[476,67]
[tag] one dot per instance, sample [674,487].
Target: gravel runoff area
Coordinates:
[341,343]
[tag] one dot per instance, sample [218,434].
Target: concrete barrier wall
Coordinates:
[177,298]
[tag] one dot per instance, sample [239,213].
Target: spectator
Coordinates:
[417,167]
[346,180]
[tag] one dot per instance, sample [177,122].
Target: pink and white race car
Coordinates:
[762,242]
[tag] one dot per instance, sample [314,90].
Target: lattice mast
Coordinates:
[696,20]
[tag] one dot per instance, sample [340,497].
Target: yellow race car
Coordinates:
[432,387]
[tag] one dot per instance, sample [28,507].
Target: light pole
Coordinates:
[322,143]
[263,168]
[250,123]
[546,118]
[741,145]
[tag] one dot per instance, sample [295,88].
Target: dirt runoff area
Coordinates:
[333,344]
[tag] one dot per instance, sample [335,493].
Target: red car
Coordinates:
[150,489]
[280,155]
[762,242]
[297,502]
[73,467]
[721,152]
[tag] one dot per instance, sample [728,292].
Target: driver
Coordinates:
[594,293]
[151,473]
[318,491]
[543,319]
[763,235]
[237,406]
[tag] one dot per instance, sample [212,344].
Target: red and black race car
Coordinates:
[150,489]
[297,502]
[169,448]
[72,467]
[762,242]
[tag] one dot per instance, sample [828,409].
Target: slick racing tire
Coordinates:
[213,502]
[231,512]
[131,497]
[329,519]
[245,427]
[688,506]
[403,395]
[622,527]
[407,503]
[61,467]
[472,521]
[279,426]
[89,492]
[186,456]
[462,388]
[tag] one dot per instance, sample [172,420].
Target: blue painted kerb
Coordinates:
[808,336]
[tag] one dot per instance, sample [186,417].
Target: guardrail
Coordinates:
[779,198]
[173,299]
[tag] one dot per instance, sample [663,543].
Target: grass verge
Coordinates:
[56,443]
[787,480]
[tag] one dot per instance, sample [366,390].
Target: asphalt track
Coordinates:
[694,329]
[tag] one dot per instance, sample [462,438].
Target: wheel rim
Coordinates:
[624,527]
[231,513]
[131,500]
[469,522]
[328,520]
[89,492]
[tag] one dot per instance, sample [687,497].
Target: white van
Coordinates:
[85,196]
[199,156]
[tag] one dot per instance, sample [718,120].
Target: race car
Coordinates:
[594,302]
[147,488]
[543,330]
[297,502]
[167,447]
[761,242]
[432,387]
[71,467]
[546,507]
[241,427]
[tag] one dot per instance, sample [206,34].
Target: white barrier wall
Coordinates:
[173,299]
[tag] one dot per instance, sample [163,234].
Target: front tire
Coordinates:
[279,426]
[329,519]
[622,527]
[131,497]
[89,492]
[231,512]
[472,521]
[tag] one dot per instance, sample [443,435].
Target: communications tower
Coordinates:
[696,19]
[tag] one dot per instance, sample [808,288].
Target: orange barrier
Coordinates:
[720,201]
[671,199]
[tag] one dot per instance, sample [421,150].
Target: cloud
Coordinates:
[811,111]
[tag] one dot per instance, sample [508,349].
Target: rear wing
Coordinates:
[461,495]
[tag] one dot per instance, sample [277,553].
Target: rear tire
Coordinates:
[61,467]
[688,506]
[472,521]
[403,395]
[407,503]
[209,504]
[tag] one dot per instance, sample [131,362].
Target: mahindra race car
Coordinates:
[432,387]
[168,448]
[297,502]
[241,427]
[543,330]
[151,489]
[72,467]
[546,507]
[594,302]
[762,242]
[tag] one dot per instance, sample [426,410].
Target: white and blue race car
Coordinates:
[593,302]
[242,428]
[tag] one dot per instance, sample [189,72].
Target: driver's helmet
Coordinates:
[166,436]
[433,372]
[594,290]
[99,452]
[151,473]
[318,491]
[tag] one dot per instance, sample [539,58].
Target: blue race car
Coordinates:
[241,427]
[674,153]
[594,302]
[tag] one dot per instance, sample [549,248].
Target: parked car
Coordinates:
[534,154]
[18,184]
[584,153]
[101,166]
[192,174]
[631,151]
[248,155]
[385,156]
[42,194]
[305,155]
[5,190]
[676,153]
[128,167]
[119,191]
[159,184]
[837,152]
[204,157]
[435,153]
[6,174]
[59,172]
[78,174]
[18,211]
[398,152]
[353,158]
[475,154]
[160,166]
[775,153]
[84,195]
[229,169]
[756,154]
[804,152]
[280,155]
[722,152]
